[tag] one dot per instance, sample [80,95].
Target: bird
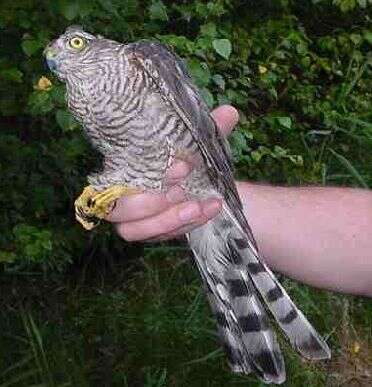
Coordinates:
[141,110]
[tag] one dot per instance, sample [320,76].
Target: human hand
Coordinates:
[152,216]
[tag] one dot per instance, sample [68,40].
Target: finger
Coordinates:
[210,210]
[170,220]
[179,232]
[131,208]
[226,117]
[163,223]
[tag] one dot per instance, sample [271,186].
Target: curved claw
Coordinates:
[92,206]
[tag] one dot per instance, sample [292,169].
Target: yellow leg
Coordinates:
[91,205]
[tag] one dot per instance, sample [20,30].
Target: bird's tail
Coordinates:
[238,283]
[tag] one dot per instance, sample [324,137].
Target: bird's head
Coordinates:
[75,52]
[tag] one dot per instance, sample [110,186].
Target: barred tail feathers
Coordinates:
[301,334]
[243,325]
[236,283]
[242,322]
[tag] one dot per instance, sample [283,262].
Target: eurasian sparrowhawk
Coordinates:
[140,109]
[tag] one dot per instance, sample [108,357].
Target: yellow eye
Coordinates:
[77,43]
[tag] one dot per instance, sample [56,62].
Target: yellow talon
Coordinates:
[91,205]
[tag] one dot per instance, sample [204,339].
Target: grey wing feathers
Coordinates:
[170,74]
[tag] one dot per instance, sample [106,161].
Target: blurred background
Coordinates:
[88,309]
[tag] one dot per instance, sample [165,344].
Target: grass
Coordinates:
[152,327]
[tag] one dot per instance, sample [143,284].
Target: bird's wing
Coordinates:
[169,73]
[225,251]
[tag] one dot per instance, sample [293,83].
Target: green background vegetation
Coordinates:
[87,309]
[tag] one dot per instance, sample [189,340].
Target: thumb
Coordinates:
[226,118]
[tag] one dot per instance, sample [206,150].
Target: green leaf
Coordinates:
[368,36]
[200,72]
[158,11]
[85,8]
[345,5]
[30,46]
[108,6]
[207,96]
[13,75]
[69,9]
[286,122]
[33,242]
[65,120]
[40,102]
[356,38]
[256,155]
[219,80]
[6,256]
[208,29]
[301,48]
[296,159]
[239,143]
[223,99]
[181,43]
[223,47]
[58,94]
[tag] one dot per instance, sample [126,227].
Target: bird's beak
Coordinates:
[51,58]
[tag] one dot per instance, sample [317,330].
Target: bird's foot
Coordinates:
[92,206]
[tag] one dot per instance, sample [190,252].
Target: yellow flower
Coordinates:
[43,84]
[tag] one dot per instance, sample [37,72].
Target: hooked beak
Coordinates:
[51,58]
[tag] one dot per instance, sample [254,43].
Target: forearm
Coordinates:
[320,236]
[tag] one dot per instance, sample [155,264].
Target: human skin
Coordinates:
[321,236]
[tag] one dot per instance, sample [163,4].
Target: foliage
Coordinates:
[299,72]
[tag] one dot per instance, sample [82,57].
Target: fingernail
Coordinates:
[211,207]
[189,213]
[175,195]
